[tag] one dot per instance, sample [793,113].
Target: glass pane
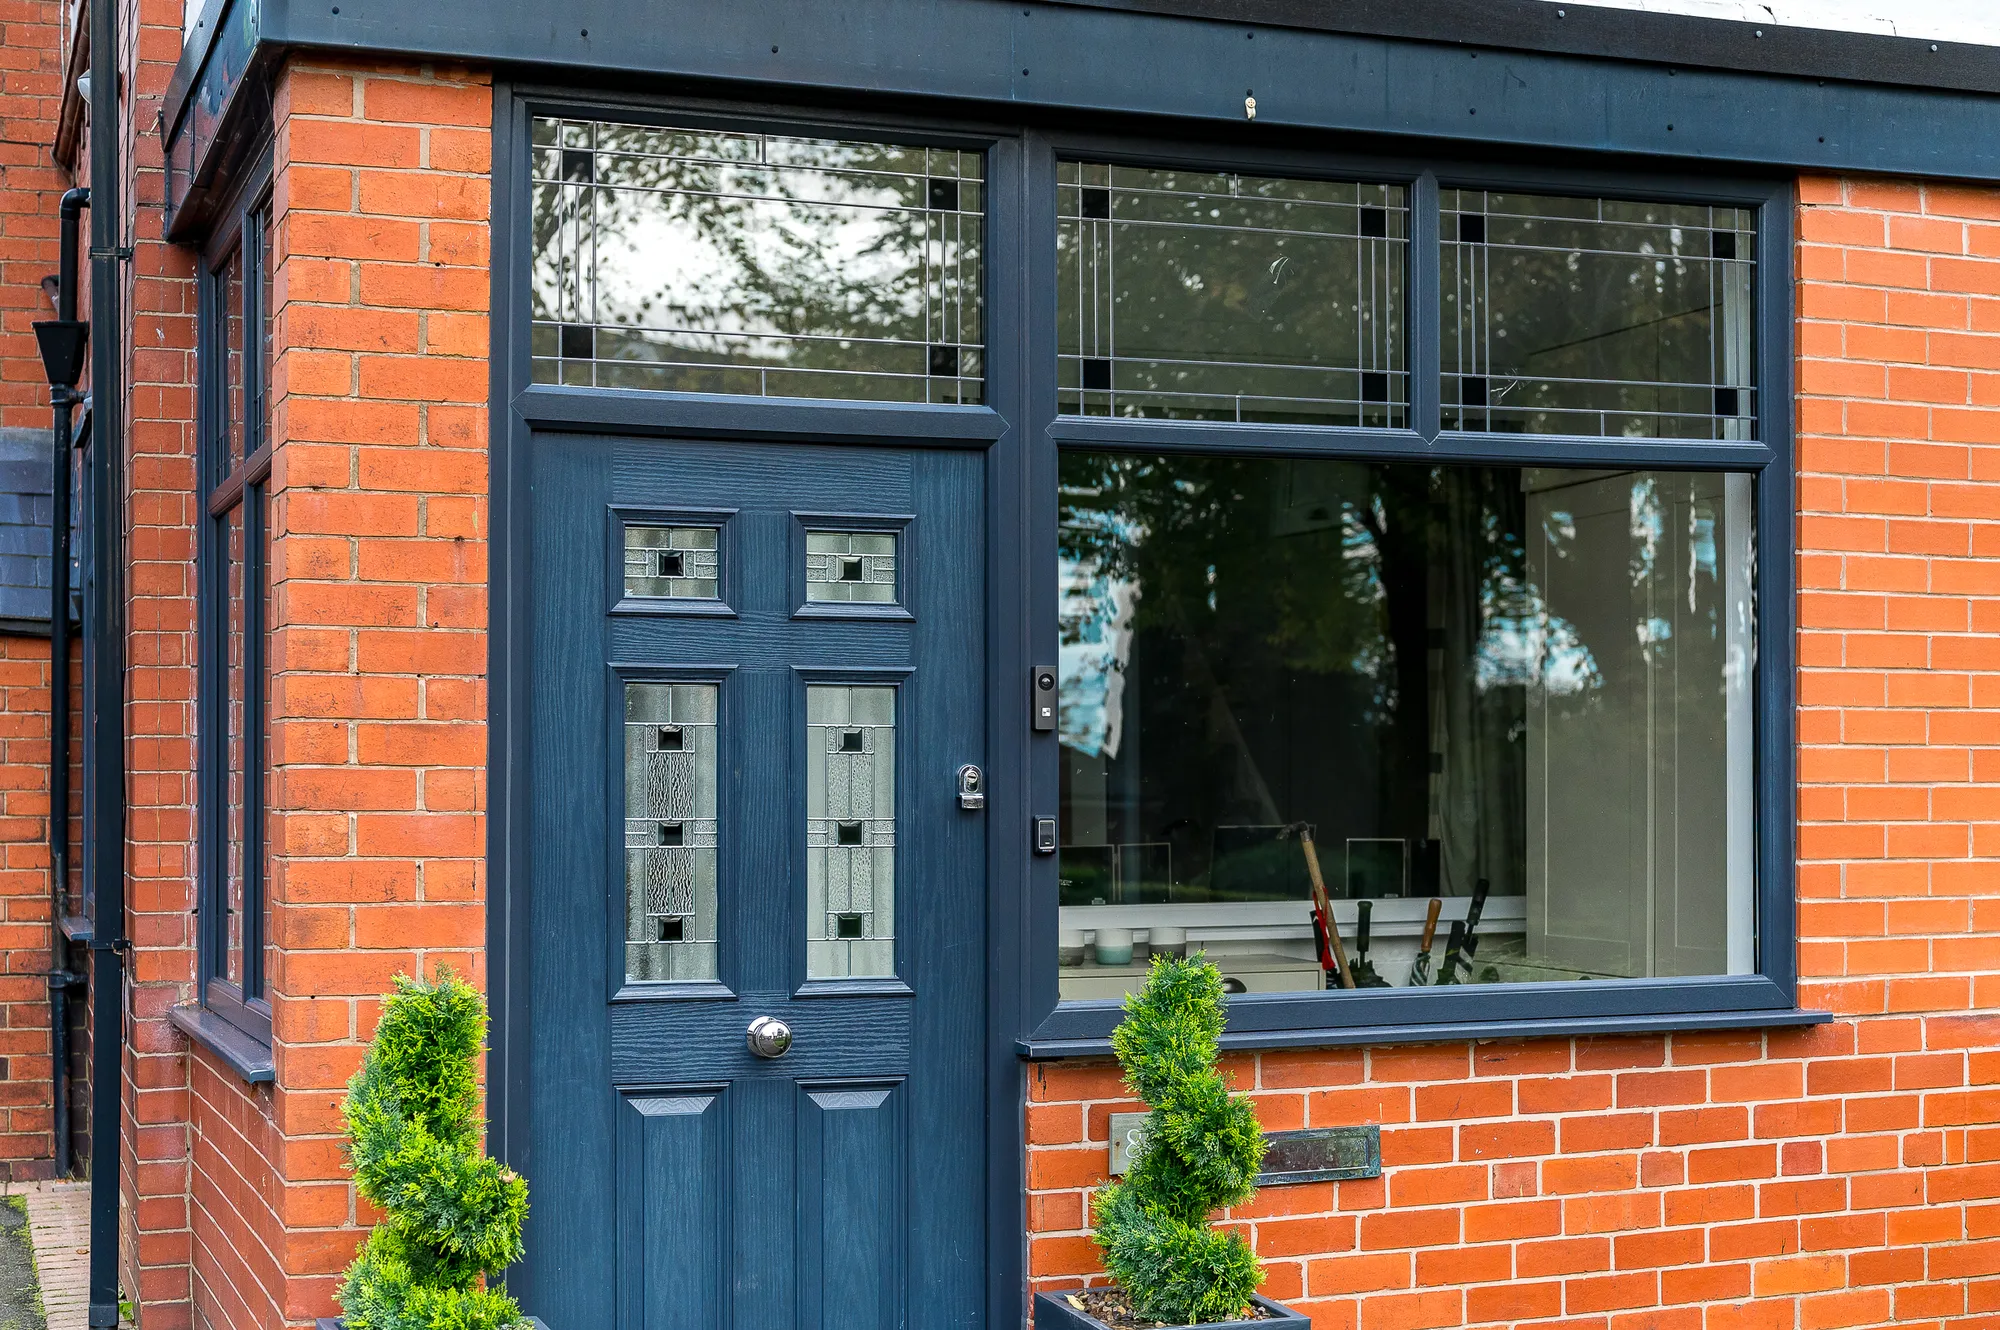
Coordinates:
[705,261]
[1226,297]
[673,562]
[1521,693]
[231,409]
[266,619]
[1598,317]
[267,266]
[234,738]
[670,736]
[850,832]
[851,567]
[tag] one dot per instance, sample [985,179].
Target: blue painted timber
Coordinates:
[1051,63]
[679,1181]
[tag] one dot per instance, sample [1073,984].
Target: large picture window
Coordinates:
[1520,693]
[1412,646]
[233,614]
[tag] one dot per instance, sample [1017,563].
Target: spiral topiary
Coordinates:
[1201,1150]
[451,1216]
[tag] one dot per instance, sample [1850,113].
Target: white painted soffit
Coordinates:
[1974,21]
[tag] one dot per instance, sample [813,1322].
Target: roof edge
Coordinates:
[1684,40]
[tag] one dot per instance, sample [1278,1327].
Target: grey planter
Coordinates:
[1052,1313]
[335,1323]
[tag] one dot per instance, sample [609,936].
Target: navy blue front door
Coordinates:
[756,673]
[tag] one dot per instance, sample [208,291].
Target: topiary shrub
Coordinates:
[1201,1150]
[451,1216]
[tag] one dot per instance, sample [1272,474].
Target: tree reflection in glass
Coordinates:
[1596,316]
[1537,678]
[712,261]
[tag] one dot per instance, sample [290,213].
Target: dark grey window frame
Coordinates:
[239,1024]
[1019,430]
[1766,998]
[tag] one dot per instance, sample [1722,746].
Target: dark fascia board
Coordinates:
[1046,63]
[1618,34]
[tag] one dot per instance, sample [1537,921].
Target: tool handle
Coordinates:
[1448,972]
[1325,908]
[1362,910]
[1478,906]
[1431,923]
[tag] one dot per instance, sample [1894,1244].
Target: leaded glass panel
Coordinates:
[670,818]
[1191,295]
[1602,317]
[851,567]
[850,831]
[758,264]
[673,562]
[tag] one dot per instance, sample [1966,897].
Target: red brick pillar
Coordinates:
[379,643]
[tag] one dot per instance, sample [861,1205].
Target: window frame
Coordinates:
[1019,425]
[223,492]
[1767,997]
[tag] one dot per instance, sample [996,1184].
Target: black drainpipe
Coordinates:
[62,344]
[104,664]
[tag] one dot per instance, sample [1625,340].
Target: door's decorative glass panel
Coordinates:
[1522,692]
[670,890]
[1188,295]
[673,562]
[851,567]
[1601,317]
[700,260]
[850,831]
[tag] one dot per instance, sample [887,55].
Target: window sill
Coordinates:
[243,1055]
[1457,1031]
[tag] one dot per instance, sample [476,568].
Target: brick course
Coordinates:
[1839,1176]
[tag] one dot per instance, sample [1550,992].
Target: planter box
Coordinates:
[1053,1313]
[335,1323]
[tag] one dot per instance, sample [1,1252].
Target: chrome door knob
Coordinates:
[769,1037]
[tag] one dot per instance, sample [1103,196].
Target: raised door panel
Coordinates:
[853,1166]
[673,1223]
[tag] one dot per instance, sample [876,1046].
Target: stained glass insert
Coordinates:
[1601,317]
[670,805]
[1191,295]
[765,265]
[850,831]
[673,562]
[851,567]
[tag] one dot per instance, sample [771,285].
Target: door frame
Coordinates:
[518,411]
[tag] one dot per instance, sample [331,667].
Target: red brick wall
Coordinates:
[31,78]
[27,1141]
[1841,1176]
[379,479]
[162,1129]
[30,187]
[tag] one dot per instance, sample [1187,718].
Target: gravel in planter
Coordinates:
[1108,1308]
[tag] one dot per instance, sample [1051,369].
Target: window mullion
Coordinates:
[1425,307]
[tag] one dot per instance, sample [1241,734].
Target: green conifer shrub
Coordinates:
[451,1216]
[1201,1151]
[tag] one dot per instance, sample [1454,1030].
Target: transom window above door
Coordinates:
[754,264]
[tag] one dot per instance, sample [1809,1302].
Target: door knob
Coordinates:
[769,1037]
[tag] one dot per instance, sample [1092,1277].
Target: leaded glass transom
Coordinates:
[851,567]
[1191,295]
[1605,317]
[673,562]
[700,260]
[850,831]
[670,803]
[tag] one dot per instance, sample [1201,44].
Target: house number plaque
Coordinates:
[1317,1154]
